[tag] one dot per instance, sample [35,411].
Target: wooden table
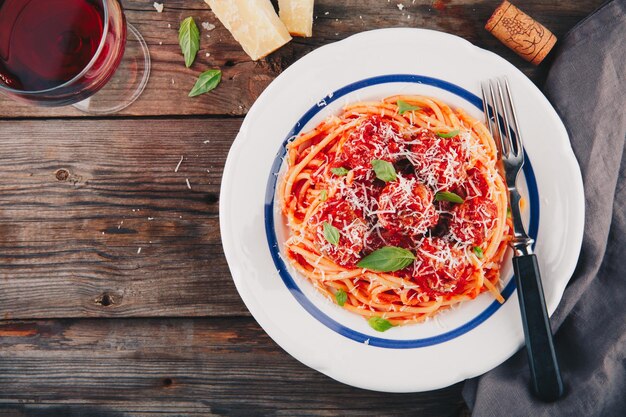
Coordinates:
[115,296]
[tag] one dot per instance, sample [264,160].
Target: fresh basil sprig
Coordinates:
[448,135]
[384,170]
[387,259]
[448,196]
[404,107]
[189,40]
[379,324]
[206,82]
[478,251]
[331,233]
[341,171]
[341,296]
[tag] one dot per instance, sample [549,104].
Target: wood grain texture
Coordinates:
[79,198]
[243,80]
[177,367]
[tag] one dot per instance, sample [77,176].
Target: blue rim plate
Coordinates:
[464,342]
[286,276]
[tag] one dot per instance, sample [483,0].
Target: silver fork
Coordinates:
[502,122]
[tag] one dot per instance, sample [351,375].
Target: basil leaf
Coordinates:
[387,259]
[207,81]
[478,251]
[341,171]
[384,170]
[189,40]
[341,297]
[379,324]
[331,233]
[448,196]
[323,195]
[403,107]
[450,134]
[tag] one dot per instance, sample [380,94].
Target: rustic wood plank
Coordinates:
[78,199]
[182,367]
[244,80]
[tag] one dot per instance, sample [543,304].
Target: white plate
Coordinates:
[460,343]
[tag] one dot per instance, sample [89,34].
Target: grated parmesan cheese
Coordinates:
[179,162]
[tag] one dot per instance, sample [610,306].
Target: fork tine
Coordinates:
[504,145]
[515,126]
[487,105]
[507,124]
[511,150]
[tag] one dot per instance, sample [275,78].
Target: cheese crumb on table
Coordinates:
[297,15]
[182,157]
[158,7]
[208,26]
[253,23]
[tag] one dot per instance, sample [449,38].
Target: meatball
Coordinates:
[473,220]
[379,237]
[439,162]
[439,266]
[362,196]
[406,206]
[372,139]
[352,228]
[476,184]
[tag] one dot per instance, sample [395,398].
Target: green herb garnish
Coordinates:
[450,134]
[341,297]
[341,171]
[379,324]
[478,251]
[207,81]
[387,259]
[189,40]
[384,170]
[448,196]
[404,107]
[323,195]
[331,233]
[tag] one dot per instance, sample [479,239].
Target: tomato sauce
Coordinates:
[370,213]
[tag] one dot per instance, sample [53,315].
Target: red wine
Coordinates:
[45,43]
[59,52]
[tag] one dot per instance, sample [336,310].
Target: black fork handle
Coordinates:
[544,367]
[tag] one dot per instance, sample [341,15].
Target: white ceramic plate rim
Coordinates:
[308,340]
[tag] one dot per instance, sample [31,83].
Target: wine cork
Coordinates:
[520,32]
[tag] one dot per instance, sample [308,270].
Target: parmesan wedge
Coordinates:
[297,15]
[253,23]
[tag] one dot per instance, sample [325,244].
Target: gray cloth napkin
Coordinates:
[587,86]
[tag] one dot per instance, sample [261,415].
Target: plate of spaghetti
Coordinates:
[365,218]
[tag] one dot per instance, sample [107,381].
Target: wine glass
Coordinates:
[62,52]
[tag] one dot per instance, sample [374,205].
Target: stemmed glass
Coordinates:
[63,52]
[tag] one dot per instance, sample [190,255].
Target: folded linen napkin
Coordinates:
[587,86]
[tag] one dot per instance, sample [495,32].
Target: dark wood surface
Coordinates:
[93,326]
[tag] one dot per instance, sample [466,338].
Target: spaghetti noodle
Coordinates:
[397,209]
